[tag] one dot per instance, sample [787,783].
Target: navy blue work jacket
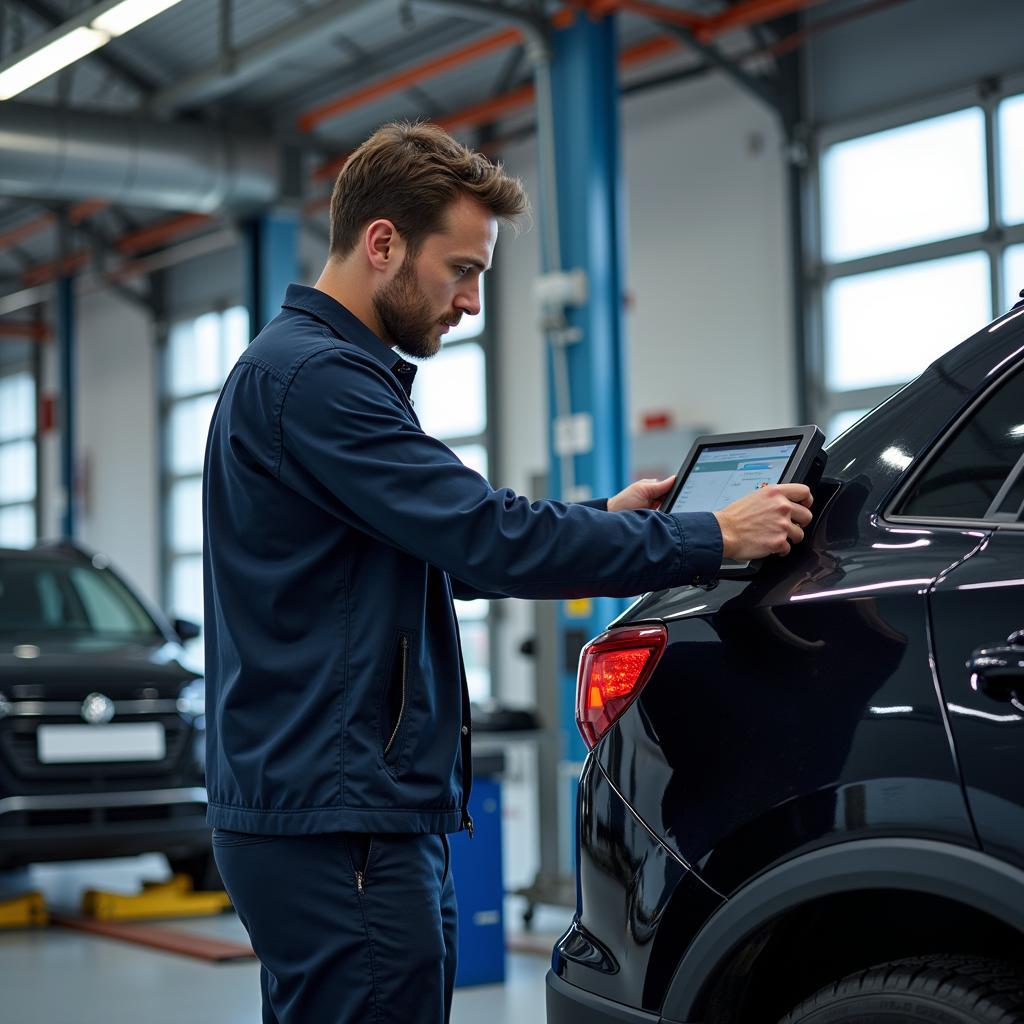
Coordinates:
[336,534]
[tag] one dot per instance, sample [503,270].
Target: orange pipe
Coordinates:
[659,12]
[24,329]
[489,110]
[57,268]
[84,210]
[76,214]
[650,49]
[508,102]
[411,76]
[27,230]
[150,236]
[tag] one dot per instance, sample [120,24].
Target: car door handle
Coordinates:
[999,671]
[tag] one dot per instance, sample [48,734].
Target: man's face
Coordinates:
[432,288]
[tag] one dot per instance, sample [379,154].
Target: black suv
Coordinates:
[804,798]
[101,724]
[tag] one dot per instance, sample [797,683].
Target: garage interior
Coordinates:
[741,211]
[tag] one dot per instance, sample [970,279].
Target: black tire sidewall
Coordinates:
[887,1008]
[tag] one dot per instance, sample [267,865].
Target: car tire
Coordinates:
[201,868]
[943,989]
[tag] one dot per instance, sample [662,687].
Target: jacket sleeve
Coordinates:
[350,442]
[463,592]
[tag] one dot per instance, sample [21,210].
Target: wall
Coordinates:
[117,423]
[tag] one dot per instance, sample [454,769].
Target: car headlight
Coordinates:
[192,699]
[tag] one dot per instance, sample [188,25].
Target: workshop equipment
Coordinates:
[25,911]
[173,898]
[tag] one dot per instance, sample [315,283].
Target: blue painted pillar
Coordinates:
[585,90]
[66,352]
[271,263]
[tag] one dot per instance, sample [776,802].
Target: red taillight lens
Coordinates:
[613,669]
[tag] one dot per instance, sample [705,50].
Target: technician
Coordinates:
[337,535]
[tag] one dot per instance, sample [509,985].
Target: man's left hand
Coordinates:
[642,494]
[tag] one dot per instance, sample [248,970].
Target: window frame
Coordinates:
[30,365]
[488,439]
[994,240]
[169,554]
[925,461]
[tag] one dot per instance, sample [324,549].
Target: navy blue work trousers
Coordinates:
[348,927]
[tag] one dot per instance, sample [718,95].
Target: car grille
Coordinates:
[19,751]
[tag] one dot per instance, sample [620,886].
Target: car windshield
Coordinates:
[42,596]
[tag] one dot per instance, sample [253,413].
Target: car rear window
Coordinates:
[982,460]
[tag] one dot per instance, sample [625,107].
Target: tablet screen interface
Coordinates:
[722,475]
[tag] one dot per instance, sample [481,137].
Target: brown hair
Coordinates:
[410,174]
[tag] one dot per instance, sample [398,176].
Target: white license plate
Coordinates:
[63,744]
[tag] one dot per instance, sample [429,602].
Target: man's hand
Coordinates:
[765,522]
[642,494]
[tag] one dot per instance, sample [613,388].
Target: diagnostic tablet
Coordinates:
[722,468]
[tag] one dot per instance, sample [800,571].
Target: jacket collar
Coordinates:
[348,327]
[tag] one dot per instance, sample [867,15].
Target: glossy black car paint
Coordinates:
[825,701]
[52,812]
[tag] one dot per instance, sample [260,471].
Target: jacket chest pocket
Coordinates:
[395,699]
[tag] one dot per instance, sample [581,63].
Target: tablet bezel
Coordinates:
[809,440]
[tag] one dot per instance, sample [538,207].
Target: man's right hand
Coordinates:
[765,522]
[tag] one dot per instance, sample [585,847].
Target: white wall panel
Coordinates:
[117,435]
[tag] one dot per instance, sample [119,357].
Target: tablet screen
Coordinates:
[722,474]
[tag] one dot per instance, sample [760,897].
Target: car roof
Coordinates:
[50,551]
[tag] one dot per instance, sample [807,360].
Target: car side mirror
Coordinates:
[187,629]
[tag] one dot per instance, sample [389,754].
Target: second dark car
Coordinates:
[101,722]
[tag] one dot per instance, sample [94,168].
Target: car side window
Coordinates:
[981,461]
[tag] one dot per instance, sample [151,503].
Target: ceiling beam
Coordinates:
[493,43]
[236,68]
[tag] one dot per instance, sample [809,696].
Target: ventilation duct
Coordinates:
[50,153]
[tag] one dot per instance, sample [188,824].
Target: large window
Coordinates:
[451,399]
[199,355]
[921,243]
[17,459]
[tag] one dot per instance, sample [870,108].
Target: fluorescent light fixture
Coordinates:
[124,16]
[73,40]
[49,60]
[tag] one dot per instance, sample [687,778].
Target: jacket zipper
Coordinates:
[361,875]
[403,645]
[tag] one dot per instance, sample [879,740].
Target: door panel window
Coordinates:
[964,480]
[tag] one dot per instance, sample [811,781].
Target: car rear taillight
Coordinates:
[613,669]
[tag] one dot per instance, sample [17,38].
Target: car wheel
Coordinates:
[953,990]
[201,868]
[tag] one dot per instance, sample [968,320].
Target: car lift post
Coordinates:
[271,263]
[581,293]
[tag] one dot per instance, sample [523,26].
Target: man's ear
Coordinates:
[384,245]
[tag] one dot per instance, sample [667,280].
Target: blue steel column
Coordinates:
[66,348]
[584,84]
[271,264]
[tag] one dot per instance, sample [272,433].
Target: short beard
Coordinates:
[404,314]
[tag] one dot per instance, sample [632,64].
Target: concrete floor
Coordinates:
[57,976]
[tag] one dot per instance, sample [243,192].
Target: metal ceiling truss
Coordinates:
[528,39]
[235,68]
